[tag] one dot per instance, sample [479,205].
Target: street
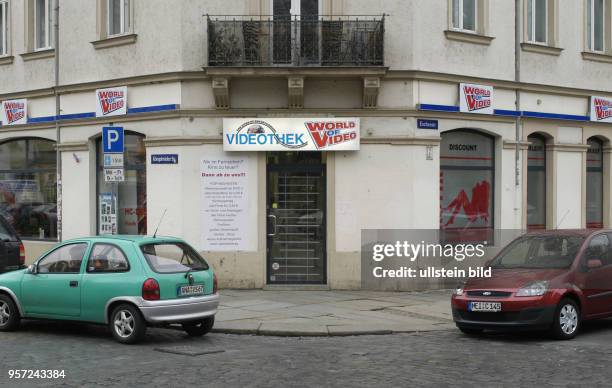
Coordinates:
[90,357]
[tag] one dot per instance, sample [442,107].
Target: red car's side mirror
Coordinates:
[594,263]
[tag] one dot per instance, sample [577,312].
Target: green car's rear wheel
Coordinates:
[199,328]
[9,315]
[127,324]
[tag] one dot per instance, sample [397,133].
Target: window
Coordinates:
[122,207]
[595,25]
[599,249]
[65,259]
[594,184]
[539,252]
[118,17]
[4,30]
[466,185]
[42,24]
[28,189]
[464,15]
[172,258]
[537,21]
[536,183]
[107,258]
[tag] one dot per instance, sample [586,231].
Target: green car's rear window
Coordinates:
[173,258]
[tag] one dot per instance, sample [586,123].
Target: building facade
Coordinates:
[470,115]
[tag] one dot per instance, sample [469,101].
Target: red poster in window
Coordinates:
[475,208]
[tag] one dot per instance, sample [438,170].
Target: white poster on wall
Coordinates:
[476,98]
[228,200]
[111,101]
[291,134]
[14,112]
[601,109]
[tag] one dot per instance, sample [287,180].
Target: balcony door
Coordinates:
[296,31]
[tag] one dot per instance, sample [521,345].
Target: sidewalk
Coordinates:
[332,313]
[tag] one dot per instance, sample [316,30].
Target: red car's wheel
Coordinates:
[567,320]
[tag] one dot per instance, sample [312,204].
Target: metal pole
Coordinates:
[58,154]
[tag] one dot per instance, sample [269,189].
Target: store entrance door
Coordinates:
[296,242]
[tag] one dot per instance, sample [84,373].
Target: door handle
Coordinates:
[74,283]
[272,217]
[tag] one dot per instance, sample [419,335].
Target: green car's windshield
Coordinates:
[539,252]
[173,258]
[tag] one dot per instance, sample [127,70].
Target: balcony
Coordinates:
[322,41]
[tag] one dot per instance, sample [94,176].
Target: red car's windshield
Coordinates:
[539,252]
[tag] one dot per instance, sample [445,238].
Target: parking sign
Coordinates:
[112,139]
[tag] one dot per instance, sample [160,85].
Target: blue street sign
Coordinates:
[427,124]
[112,139]
[164,159]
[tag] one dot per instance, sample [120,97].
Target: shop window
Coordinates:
[28,189]
[122,207]
[536,183]
[594,184]
[466,185]
[595,25]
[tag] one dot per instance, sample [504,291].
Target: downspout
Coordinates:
[517,78]
[58,154]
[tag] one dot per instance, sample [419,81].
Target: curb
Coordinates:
[288,333]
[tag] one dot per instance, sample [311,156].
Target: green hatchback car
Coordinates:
[125,282]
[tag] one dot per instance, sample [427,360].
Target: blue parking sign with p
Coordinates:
[112,139]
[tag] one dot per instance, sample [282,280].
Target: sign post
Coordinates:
[113,148]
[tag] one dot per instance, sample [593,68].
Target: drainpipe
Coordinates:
[517,78]
[58,154]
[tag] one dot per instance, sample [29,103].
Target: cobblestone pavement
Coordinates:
[91,358]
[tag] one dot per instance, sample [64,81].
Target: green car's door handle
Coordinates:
[74,283]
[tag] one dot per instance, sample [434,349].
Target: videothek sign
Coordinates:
[14,112]
[476,98]
[601,109]
[111,101]
[291,134]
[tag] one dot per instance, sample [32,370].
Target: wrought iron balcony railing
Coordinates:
[296,41]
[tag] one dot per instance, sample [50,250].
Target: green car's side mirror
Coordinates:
[32,269]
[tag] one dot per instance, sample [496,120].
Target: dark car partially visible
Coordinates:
[12,253]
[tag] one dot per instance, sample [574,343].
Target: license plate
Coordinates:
[190,290]
[484,306]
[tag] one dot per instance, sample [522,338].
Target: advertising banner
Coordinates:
[111,101]
[476,98]
[601,109]
[291,134]
[14,112]
[226,209]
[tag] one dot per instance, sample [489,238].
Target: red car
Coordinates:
[551,280]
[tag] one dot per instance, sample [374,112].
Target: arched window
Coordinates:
[122,207]
[594,184]
[28,187]
[536,183]
[466,185]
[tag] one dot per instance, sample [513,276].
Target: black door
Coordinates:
[296,242]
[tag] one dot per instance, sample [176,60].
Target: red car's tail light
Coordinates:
[150,290]
[215,284]
[21,254]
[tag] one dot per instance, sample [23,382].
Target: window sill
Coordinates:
[468,37]
[114,41]
[541,48]
[6,59]
[596,57]
[41,54]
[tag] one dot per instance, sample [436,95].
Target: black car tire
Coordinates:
[127,324]
[9,307]
[566,307]
[470,331]
[199,328]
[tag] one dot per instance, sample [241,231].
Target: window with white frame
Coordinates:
[4,30]
[42,24]
[464,15]
[595,25]
[537,21]
[118,17]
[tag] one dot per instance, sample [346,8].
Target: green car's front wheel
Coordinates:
[199,328]
[127,324]
[9,315]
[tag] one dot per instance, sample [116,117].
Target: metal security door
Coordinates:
[296,219]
